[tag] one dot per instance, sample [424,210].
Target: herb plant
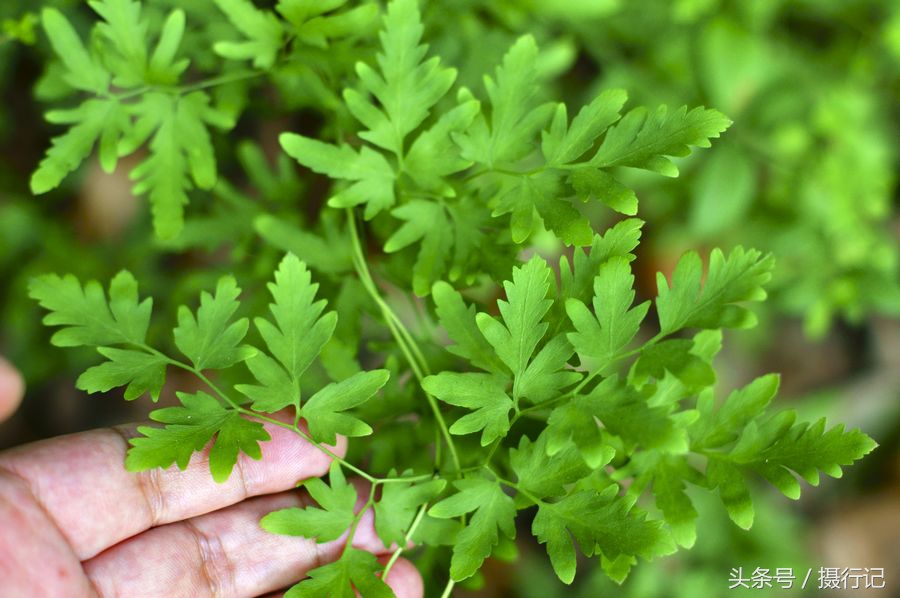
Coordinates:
[498,381]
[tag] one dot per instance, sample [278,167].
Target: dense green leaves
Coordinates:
[174,125]
[557,397]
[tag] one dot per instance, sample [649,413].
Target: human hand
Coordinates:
[74,522]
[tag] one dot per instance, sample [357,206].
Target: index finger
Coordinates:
[81,482]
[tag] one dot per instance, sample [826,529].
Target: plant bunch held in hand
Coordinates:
[480,381]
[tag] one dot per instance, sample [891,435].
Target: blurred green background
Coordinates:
[808,172]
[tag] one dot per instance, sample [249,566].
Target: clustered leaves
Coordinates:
[552,400]
[135,81]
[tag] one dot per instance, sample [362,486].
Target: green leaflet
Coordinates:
[773,447]
[598,522]
[459,322]
[190,428]
[494,513]
[623,411]
[601,337]
[138,371]
[372,175]
[426,222]
[92,121]
[295,338]
[513,343]
[538,198]
[88,318]
[406,87]
[300,330]
[209,338]
[353,572]
[685,303]
[514,120]
[263,31]
[181,154]
[395,511]
[482,393]
[542,475]
[433,156]
[669,476]
[324,411]
[318,23]
[563,144]
[324,523]
[643,138]
[82,69]
[577,280]
[523,311]
[806,448]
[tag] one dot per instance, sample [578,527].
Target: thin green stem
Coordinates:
[406,540]
[406,480]
[404,339]
[517,488]
[220,80]
[353,527]
[448,588]
[186,89]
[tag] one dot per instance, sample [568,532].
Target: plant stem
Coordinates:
[353,527]
[404,339]
[406,540]
[185,89]
[448,588]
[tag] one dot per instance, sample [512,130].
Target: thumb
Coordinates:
[12,388]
